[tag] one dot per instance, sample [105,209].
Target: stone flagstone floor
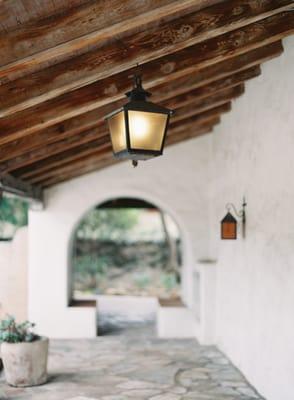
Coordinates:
[135,368]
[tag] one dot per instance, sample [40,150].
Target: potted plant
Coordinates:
[24,353]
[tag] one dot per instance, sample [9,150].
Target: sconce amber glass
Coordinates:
[229,227]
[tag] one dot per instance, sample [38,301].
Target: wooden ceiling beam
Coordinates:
[214,50]
[40,139]
[223,20]
[86,139]
[19,188]
[220,87]
[15,13]
[200,119]
[83,170]
[68,157]
[95,162]
[196,106]
[174,73]
[30,172]
[56,38]
[218,71]
[190,135]
[84,151]
[106,154]
[91,159]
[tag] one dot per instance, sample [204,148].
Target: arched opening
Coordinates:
[125,254]
[13,215]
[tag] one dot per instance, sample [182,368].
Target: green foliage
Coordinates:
[89,264]
[108,224]
[12,332]
[13,211]
[143,281]
[111,253]
[169,281]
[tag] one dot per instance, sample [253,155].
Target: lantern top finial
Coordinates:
[138,93]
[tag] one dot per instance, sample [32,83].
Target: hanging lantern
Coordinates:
[138,129]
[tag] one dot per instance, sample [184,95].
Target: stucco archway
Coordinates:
[185,247]
[50,233]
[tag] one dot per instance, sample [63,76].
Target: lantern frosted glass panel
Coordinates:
[118,132]
[146,130]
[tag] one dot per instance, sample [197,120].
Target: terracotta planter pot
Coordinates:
[25,364]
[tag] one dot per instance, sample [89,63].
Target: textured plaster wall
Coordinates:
[13,276]
[251,285]
[174,182]
[252,155]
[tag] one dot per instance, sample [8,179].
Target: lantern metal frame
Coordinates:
[138,102]
[240,215]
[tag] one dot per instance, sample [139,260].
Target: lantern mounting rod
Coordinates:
[138,93]
[239,214]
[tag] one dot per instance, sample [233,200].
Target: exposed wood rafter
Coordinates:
[59,37]
[154,43]
[67,65]
[20,188]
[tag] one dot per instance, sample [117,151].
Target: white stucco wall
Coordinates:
[252,152]
[13,276]
[174,183]
[251,284]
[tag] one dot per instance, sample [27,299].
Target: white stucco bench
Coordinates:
[174,319]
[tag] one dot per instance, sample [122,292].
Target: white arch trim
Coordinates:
[187,258]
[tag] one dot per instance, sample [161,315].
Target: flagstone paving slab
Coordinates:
[123,368]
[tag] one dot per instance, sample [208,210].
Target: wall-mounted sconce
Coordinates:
[229,222]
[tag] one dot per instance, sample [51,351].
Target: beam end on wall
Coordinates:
[19,188]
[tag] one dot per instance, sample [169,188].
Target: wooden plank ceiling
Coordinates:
[65,64]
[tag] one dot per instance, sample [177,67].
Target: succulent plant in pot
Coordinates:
[24,353]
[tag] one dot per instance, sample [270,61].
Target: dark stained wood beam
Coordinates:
[190,135]
[57,37]
[196,106]
[218,71]
[18,187]
[91,164]
[214,50]
[202,118]
[66,164]
[40,139]
[92,159]
[208,90]
[15,13]
[175,74]
[200,106]
[199,98]
[65,159]
[191,81]
[84,151]
[61,75]
[143,47]
[87,139]
[49,163]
